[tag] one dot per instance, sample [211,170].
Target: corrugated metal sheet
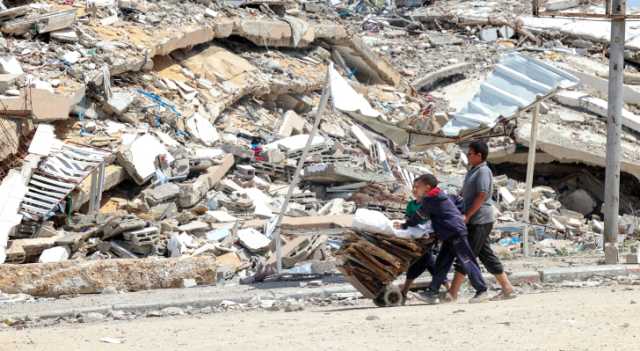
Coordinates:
[56,176]
[514,85]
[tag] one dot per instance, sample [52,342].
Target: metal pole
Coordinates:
[614,129]
[97,187]
[531,165]
[296,176]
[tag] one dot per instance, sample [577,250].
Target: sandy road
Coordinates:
[605,318]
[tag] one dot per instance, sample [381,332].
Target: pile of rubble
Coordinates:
[137,129]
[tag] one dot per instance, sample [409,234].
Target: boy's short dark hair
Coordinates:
[480,147]
[427,179]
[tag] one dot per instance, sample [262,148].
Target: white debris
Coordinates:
[202,130]
[54,254]
[253,240]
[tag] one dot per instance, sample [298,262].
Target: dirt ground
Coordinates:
[604,318]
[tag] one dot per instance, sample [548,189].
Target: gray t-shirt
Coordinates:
[479,180]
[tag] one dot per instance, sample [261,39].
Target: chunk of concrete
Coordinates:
[119,102]
[364,140]
[12,191]
[202,130]
[379,64]
[54,254]
[489,34]
[91,277]
[558,5]
[506,196]
[139,157]
[7,81]
[10,65]
[265,32]
[253,240]
[192,192]
[289,124]
[40,104]
[161,193]
[221,216]
[65,36]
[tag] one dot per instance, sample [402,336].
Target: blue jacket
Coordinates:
[443,211]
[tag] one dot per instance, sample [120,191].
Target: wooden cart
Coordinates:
[371,262]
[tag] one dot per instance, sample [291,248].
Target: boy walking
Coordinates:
[449,227]
[428,261]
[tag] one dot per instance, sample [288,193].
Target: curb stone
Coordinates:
[550,275]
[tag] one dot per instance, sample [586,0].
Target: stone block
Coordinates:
[554,275]
[119,103]
[161,193]
[91,277]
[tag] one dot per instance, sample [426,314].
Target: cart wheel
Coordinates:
[392,296]
[379,301]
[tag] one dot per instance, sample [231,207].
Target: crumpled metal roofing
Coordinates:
[515,84]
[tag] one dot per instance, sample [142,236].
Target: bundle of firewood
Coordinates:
[372,261]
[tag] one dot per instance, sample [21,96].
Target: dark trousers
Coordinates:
[425,263]
[479,241]
[457,249]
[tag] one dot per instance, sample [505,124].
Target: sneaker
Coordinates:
[430,298]
[479,297]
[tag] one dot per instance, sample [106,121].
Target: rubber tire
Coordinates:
[392,296]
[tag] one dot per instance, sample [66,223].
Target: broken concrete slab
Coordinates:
[301,223]
[41,105]
[12,191]
[192,192]
[202,130]
[581,100]
[118,225]
[591,75]
[221,216]
[65,36]
[342,173]
[119,102]
[92,277]
[10,65]
[431,79]
[161,193]
[6,14]
[139,157]
[266,32]
[288,124]
[25,250]
[49,22]
[253,240]
[379,64]
[567,145]
[557,5]
[215,63]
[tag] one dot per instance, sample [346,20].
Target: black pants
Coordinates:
[425,263]
[457,249]
[479,241]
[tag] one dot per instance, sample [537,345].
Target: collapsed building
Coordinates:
[142,136]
